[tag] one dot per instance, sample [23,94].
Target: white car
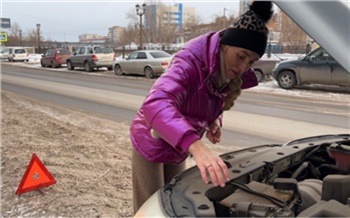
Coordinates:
[14,54]
[150,63]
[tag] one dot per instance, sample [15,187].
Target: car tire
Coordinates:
[109,68]
[87,67]
[118,70]
[287,80]
[69,65]
[149,73]
[259,75]
[42,64]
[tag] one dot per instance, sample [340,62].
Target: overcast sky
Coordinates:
[65,20]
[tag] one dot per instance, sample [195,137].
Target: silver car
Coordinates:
[318,67]
[145,62]
[264,66]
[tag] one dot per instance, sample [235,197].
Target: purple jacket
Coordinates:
[183,102]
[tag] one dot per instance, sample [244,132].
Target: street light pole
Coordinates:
[225,9]
[38,29]
[20,37]
[140,11]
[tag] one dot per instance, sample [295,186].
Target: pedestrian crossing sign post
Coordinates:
[3,37]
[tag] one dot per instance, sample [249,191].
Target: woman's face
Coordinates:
[238,60]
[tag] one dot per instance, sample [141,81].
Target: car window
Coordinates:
[159,54]
[133,55]
[63,52]
[82,50]
[20,51]
[142,55]
[321,55]
[103,50]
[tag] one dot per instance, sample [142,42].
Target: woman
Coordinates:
[203,79]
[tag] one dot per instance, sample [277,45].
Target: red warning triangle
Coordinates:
[36,176]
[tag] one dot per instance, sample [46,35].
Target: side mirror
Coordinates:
[74,53]
[126,57]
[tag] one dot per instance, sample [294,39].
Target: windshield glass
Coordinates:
[103,50]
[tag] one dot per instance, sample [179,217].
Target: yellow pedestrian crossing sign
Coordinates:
[3,37]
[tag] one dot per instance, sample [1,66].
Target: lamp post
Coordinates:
[225,9]
[20,37]
[140,10]
[38,29]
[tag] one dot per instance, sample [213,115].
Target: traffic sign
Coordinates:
[3,37]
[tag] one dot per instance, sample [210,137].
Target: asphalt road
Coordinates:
[257,118]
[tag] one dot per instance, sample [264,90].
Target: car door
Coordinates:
[141,62]
[315,68]
[129,64]
[339,75]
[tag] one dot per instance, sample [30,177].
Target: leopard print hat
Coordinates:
[249,30]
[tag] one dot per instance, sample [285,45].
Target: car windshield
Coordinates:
[103,50]
[159,54]
[63,52]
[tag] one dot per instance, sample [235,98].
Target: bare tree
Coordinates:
[291,33]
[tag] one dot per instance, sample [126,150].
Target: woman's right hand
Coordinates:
[209,162]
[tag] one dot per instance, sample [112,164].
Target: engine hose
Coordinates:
[300,169]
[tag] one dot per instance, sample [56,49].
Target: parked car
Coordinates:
[55,57]
[318,67]
[145,62]
[5,54]
[308,177]
[264,66]
[15,54]
[92,57]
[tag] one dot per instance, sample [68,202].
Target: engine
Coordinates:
[317,187]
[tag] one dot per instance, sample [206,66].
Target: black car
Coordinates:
[318,67]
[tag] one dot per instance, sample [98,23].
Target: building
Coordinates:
[166,19]
[92,38]
[114,35]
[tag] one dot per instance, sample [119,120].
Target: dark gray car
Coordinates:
[318,67]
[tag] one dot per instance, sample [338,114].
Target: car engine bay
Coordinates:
[308,177]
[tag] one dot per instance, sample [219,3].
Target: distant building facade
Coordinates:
[115,34]
[158,15]
[92,38]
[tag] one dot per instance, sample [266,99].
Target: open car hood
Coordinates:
[315,169]
[331,17]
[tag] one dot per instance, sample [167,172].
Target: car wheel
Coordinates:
[87,66]
[42,64]
[287,80]
[70,66]
[149,72]
[259,75]
[118,70]
[110,68]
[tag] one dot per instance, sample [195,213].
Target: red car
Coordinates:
[55,57]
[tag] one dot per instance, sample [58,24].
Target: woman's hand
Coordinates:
[214,133]
[209,162]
